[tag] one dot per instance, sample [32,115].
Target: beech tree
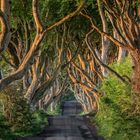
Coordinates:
[125,20]
[83,75]
[50,38]
[40,34]
[105,40]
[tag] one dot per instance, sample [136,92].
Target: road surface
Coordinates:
[69,126]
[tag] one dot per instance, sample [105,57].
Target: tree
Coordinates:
[125,20]
[40,34]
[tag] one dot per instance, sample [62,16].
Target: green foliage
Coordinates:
[5,131]
[56,9]
[68,96]
[118,118]
[17,119]
[15,109]
[55,111]
[21,9]
[4,67]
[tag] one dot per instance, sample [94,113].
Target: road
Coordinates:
[69,126]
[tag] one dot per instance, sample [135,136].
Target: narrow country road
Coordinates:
[69,126]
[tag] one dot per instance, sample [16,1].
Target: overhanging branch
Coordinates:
[99,61]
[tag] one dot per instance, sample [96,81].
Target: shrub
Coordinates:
[17,118]
[15,108]
[118,118]
[5,131]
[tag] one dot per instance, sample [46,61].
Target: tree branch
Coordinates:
[27,61]
[37,19]
[115,41]
[99,61]
[5,34]
[66,18]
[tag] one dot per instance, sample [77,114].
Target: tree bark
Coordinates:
[41,31]
[122,51]
[136,71]
[121,55]
[5,34]
[105,40]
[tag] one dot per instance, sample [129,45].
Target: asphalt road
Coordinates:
[69,126]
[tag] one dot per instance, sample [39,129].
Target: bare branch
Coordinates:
[27,61]
[99,61]
[115,41]
[37,19]
[66,18]
[5,34]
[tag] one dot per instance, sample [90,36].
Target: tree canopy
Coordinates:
[50,48]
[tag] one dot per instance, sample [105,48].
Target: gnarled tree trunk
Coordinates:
[105,40]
